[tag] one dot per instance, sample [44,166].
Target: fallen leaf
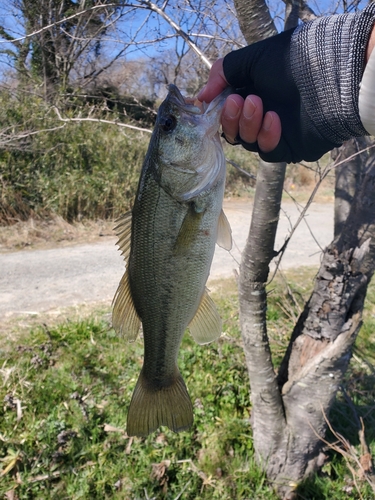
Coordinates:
[111,428]
[11,495]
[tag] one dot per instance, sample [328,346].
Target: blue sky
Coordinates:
[11,19]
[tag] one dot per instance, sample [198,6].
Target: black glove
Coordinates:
[310,76]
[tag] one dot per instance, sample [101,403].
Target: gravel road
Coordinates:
[35,281]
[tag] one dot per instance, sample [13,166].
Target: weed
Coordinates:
[65,393]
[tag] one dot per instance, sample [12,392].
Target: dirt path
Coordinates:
[36,281]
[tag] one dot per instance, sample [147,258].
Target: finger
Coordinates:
[270,133]
[216,83]
[250,122]
[231,115]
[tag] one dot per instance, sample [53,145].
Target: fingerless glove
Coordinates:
[311,77]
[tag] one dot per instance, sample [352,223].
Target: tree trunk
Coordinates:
[267,411]
[288,412]
[254,20]
[348,177]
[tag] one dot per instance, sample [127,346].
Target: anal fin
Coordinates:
[125,319]
[206,325]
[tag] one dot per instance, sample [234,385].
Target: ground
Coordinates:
[49,279]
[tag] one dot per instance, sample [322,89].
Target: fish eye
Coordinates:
[169,123]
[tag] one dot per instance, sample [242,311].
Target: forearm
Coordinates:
[311,77]
[318,79]
[328,59]
[366,100]
[370,45]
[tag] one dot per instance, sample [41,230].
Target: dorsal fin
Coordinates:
[123,230]
[125,319]
[205,327]
[224,232]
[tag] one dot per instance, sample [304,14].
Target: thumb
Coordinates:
[216,83]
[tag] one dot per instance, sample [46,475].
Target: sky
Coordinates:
[11,20]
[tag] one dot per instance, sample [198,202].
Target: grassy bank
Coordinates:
[75,170]
[65,392]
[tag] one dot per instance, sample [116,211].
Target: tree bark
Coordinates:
[255,20]
[289,422]
[321,343]
[348,176]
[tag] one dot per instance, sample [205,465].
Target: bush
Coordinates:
[75,170]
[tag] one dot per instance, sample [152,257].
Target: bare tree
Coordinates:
[290,409]
[65,47]
[55,35]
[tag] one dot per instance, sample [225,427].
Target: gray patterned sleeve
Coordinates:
[327,62]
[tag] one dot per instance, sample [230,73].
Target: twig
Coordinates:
[240,169]
[100,120]
[58,473]
[206,480]
[57,23]
[152,6]
[301,217]
[351,406]
[364,463]
[183,490]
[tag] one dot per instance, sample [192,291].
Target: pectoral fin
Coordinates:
[123,231]
[224,232]
[125,319]
[206,324]
[189,229]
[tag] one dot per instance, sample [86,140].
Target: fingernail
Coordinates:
[248,108]
[267,122]
[232,109]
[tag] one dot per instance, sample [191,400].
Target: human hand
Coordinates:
[242,117]
[294,87]
[264,116]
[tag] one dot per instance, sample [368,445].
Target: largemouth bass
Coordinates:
[168,242]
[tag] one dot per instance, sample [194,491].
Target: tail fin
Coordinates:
[150,408]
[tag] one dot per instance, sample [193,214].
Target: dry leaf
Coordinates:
[111,428]
[11,495]
[159,470]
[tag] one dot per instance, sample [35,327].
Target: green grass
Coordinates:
[72,384]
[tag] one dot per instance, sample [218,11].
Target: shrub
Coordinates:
[75,170]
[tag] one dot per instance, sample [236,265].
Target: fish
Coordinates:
[168,241]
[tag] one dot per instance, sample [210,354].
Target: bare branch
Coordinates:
[100,120]
[61,21]
[178,30]
[7,138]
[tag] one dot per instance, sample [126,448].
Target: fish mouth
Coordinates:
[207,116]
[213,108]
[175,97]
[216,105]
